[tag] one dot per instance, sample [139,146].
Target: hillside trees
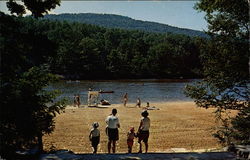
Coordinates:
[225,61]
[122,54]
[115,53]
[122,22]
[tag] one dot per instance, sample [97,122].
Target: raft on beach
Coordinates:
[99,106]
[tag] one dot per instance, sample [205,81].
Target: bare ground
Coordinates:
[175,125]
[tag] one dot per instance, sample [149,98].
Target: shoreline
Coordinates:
[179,125]
[85,105]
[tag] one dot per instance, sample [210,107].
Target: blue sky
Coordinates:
[175,13]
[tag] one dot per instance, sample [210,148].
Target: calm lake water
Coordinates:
[153,90]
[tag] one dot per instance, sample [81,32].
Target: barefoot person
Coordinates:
[130,139]
[138,102]
[94,136]
[125,99]
[143,131]
[112,129]
[78,102]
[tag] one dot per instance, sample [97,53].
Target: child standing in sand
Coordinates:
[130,139]
[94,136]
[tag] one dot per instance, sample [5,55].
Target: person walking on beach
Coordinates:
[138,102]
[112,129]
[130,139]
[94,136]
[125,99]
[143,131]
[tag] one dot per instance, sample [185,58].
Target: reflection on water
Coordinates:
[148,90]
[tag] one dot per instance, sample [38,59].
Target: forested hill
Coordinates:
[85,51]
[117,21]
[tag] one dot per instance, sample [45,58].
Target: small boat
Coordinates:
[106,91]
[70,81]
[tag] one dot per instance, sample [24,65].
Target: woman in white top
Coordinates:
[143,131]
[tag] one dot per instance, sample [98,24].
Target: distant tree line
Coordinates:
[81,51]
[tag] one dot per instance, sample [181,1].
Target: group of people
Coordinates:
[138,101]
[112,132]
[77,101]
[125,101]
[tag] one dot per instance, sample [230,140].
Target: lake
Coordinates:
[149,90]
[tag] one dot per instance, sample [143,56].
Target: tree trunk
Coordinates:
[40,142]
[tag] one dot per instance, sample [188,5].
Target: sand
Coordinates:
[175,125]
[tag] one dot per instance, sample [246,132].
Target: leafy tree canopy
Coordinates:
[27,108]
[225,63]
[37,7]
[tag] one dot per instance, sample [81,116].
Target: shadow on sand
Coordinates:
[64,155]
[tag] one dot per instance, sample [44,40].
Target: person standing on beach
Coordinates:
[94,136]
[75,103]
[130,139]
[138,102]
[143,131]
[112,129]
[78,102]
[125,99]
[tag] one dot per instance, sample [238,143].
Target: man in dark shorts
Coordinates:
[112,129]
[143,131]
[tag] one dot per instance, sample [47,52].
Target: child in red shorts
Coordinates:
[130,139]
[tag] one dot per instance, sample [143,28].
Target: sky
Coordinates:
[175,13]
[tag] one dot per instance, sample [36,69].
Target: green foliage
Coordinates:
[27,108]
[37,7]
[15,8]
[241,126]
[91,52]
[225,60]
[225,18]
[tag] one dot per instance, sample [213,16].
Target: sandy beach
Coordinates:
[175,125]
